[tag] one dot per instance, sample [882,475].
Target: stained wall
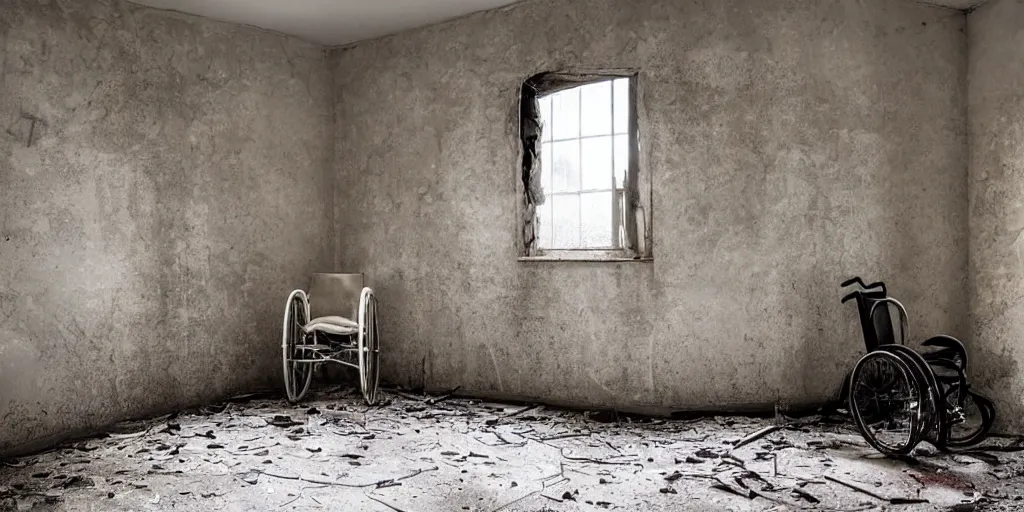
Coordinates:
[996,188]
[173,189]
[790,144]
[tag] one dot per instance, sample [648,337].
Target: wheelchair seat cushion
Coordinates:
[332,325]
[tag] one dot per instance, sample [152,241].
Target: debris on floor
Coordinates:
[443,453]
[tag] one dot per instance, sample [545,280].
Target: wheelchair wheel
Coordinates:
[297,376]
[970,416]
[886,403]
[934,423]
[368,346]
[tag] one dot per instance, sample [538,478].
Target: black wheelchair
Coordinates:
[898,396]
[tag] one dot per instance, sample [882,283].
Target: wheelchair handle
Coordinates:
[850,296]
[855,279]
[858,280]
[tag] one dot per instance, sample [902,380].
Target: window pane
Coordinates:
[565,114]
[545,116]
[596,224]
[565,166]
[597,163]
[622,105]
[544,217]
[545,166]
[621,159]
[566,221]
[596,104]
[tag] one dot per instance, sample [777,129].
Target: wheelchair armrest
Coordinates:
[947,345]
[945,341]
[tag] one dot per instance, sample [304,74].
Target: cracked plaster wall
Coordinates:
[180,183]
[791,144]
[176,189]
[996,187]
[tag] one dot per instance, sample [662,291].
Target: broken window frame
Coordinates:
[636,242]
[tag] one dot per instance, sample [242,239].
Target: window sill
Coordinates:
[582,258]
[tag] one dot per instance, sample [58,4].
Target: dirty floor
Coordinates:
[435,454]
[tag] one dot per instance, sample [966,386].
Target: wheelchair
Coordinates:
[318,328]
[898,396]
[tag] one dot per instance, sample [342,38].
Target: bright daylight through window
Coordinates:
[584,162]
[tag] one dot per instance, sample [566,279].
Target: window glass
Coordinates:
[544,217]
[545,115]
[596,219]
[584,157]
[596,109]
[545,166]
[565,114]
[621,159]
[597,163]
[622,106]
[565,166]
[566,215]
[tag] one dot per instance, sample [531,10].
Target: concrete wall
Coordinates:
[175,189]
[791,144]
[996,185]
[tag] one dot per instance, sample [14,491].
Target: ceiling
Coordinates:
[340,22]
[330,22]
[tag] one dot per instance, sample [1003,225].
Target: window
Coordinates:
[580,168]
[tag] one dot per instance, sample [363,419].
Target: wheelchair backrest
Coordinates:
[879,329]
[335,295]
[876,321]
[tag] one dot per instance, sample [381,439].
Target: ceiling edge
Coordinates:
[509,7]
[183,14]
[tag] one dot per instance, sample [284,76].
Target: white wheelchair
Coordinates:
[318,329]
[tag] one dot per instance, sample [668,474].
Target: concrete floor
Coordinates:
[412,454]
